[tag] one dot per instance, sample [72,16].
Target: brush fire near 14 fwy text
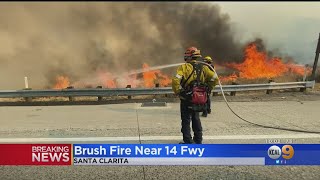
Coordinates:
[159,154]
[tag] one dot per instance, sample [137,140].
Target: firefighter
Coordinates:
[180,81]
[207,110]
[208,60]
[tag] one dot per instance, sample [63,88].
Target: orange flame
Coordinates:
[107,79]
[232,77]
[298,69]
[62,82]
[111,84]
[150,78]
[258,65]
[164,79]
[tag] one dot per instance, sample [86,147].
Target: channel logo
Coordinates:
[287,152]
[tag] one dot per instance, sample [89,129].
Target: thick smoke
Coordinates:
[43,40]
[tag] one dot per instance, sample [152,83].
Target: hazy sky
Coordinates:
[293,27]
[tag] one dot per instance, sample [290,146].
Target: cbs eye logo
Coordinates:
[274,152]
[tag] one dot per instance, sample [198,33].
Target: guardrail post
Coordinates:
[269,91]
[233,93]
[71,98]
[129,87]
[304,89]
[99,97]
[156,85]
[28,99]
[26,87]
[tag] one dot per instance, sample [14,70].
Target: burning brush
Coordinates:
[146,78]
[256,65]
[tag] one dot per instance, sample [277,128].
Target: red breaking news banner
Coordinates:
[35,154]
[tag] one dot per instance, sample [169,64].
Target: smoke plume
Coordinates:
[43,40]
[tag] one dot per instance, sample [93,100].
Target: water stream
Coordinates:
[142,70]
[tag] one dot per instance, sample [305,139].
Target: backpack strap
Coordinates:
[184,82]
[199,72]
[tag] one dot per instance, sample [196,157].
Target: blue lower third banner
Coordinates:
[194,154]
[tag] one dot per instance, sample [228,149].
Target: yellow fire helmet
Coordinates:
[207,59]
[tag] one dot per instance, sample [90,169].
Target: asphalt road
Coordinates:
[122,123]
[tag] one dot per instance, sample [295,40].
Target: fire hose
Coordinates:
[249,122]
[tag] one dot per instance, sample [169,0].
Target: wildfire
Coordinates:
[298,69]
[150,78]
[255,65]
[108,80]
[232,77]
[62,82]
[259,65]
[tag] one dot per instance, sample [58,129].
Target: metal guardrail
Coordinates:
[268,86]
[144,91]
